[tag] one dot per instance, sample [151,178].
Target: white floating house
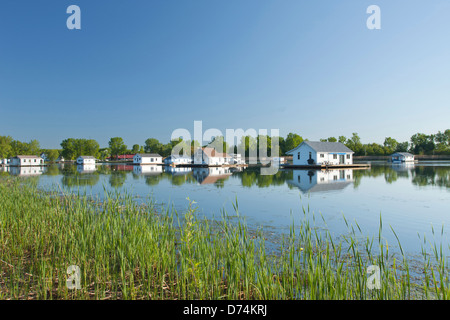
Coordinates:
[177,159]
[402,157]
[4,162]
[210,157]
[85,160]
[147,158]
[20,161]
[318,153]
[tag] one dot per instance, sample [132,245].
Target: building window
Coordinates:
[322,155]
[334,156]
[151,159]
[348,156]
[298,178]
[298,155]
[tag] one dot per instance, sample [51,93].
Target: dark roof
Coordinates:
[177,156]
[406,154]
[320,146]
[144,155]
[26,157]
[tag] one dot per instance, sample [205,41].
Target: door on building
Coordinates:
[341,159]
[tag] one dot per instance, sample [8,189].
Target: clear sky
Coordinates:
[142,68]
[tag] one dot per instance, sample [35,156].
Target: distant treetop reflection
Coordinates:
[419,174]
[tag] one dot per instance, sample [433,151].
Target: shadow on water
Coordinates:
[421,175]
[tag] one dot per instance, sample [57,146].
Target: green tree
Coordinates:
[117,146]
[6,149]
[152,145]
[442,140]
[422,143]
[354,143]
[402,147]
[292,141]
[104,153]
[52,154]
[91,148]
[69,151]
[390,145]
[135,148]
[342,139]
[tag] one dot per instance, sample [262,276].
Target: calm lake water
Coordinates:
[411,198]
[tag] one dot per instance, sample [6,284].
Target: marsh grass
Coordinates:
[131,251]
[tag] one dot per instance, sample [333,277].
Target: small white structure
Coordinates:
[319,153]
[4,162]
[20,161]
[402,157]
[321,180]
[147,158]
[237,158]
[210,157]
[86,160]
[177,159]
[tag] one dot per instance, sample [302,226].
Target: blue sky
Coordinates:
[143,68]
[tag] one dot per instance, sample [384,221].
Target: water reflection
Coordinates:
[147,170]
[26,171]
[321,180]
[215,175]
[421,175]
[86,168]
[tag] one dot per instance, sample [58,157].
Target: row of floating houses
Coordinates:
[306,154]
[203,157]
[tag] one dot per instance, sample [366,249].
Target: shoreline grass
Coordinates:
[128,251]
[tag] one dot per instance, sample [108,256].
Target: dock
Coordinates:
[327,167]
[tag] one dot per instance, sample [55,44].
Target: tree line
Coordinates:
[72,148]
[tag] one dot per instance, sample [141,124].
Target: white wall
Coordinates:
[304,151]
[85,161]
[147,160]
[26,162]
